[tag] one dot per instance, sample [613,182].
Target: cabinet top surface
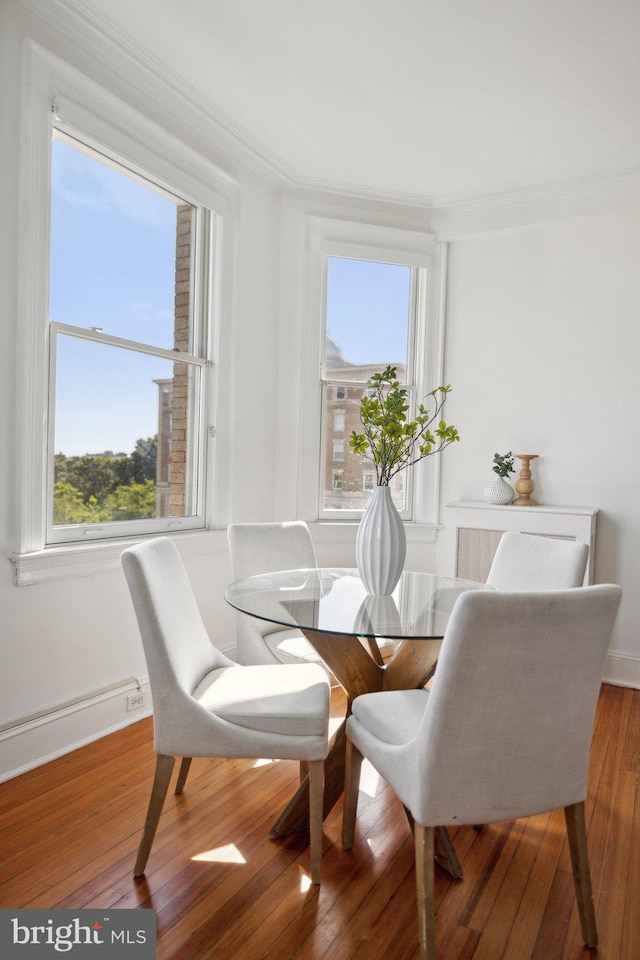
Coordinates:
[538,508]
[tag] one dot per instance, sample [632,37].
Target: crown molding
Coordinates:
[121,55]
[539,193]
[117,52]
[357,191]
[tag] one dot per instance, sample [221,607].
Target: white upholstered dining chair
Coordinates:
[257,548]
[504,733]
[525,561]
[206,705]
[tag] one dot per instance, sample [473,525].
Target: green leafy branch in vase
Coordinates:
[392,441]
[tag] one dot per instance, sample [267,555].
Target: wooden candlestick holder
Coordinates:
[524,483]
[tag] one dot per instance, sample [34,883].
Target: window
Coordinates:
[338,450]
[377,295]
[336,480]
[123,233]
[368,325]
[125,422]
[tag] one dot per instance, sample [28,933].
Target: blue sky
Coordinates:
[112,266]
[368,310]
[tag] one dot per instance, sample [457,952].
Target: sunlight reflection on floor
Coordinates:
[227,854]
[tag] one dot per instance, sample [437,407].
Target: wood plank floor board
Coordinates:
[613,871]
[555,919]
[509,897]
[70,831]
[372,894]
[630,942]
[492,879]
[523,934]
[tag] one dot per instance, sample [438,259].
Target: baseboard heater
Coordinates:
[65,706]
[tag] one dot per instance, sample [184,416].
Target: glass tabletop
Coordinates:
[334,600]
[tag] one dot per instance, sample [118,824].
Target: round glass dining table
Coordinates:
[342,623]
[334,611]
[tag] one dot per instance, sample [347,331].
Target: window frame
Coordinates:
[199,335]
[55,93]
[426,255]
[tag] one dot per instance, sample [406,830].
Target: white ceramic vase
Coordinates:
[381,544]
[499,491]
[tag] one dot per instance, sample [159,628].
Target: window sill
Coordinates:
[344,531]
[89,559]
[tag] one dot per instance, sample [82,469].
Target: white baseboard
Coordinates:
[35,740]
[622,670]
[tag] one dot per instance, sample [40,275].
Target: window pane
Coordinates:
[350,487]
[120,250]
[123,439]
[368,307]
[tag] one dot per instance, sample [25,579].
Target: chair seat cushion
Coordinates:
[291,646]
[393,716]
[290,699]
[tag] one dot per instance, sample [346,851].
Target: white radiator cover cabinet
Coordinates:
[479,527]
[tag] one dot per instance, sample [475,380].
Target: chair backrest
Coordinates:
[528,562]
[176,644]
[508,729]
[264,547]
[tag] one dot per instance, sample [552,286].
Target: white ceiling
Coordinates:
[440,100]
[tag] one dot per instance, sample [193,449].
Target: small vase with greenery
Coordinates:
[501,492]
[503,464]
[392,442]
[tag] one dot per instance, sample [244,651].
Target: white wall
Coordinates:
[72,638]
[542,349]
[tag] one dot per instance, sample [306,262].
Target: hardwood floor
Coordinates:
[224,891]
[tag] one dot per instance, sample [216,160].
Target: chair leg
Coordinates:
[577,837]
[316,814]
[164,768]
[353,764]
[182,775]
[425,845]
